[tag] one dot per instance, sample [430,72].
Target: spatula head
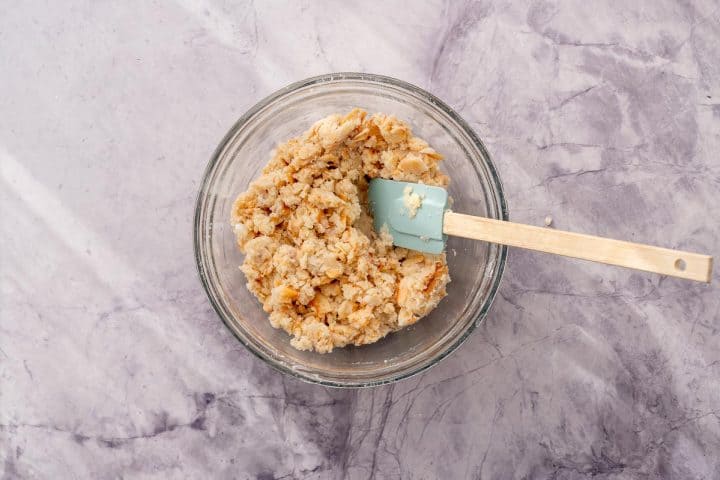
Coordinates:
[393,206]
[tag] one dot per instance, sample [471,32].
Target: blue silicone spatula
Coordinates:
[417,217]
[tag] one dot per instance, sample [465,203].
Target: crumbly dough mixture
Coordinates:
[412,201]
[311,255]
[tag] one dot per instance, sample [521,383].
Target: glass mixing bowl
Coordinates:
[475,267]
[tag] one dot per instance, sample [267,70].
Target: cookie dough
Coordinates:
[312,257]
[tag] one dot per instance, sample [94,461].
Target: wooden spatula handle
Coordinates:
[677,263]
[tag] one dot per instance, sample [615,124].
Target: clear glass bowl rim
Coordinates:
[370,79]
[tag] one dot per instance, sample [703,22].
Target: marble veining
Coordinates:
[603,115]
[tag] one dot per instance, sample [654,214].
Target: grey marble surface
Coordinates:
[604,115]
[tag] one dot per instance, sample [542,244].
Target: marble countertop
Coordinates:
[113,364]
